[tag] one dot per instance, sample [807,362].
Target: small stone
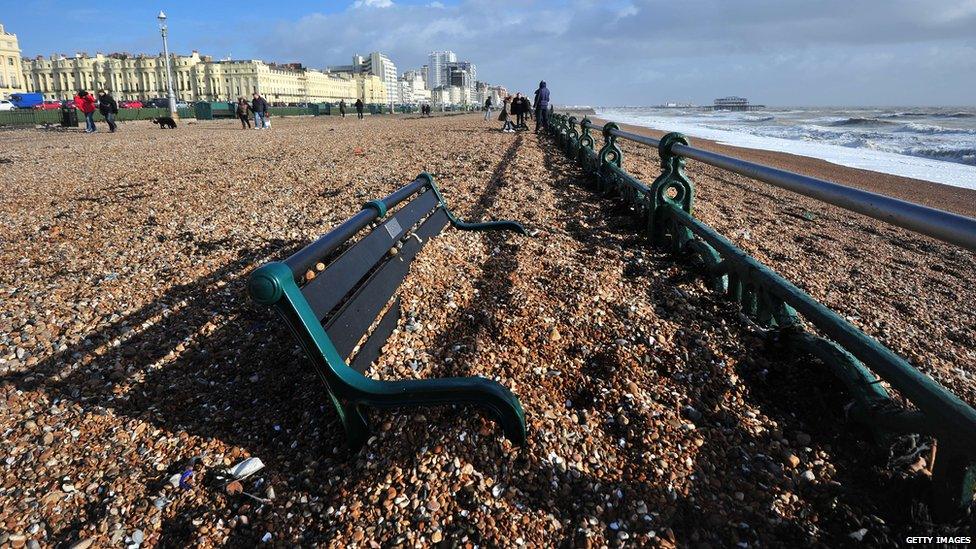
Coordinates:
[436,537]
[858,534]
[48,438]
[82,544]
[320,267]
[802,439]
[138,537]
[808,476]
[554,335]
[792,461]
[235,488]
[269,493]
[174,480]
[309,275]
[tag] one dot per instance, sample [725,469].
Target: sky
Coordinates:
[591,52]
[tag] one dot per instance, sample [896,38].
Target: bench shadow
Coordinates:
[200,360]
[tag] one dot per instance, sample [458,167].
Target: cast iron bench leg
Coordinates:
[460,224]
[499,402]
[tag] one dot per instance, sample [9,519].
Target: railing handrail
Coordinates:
[939,224]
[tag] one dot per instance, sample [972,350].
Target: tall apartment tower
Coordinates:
[383,66]
[437,74]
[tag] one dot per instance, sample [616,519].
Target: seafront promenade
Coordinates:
[656,417]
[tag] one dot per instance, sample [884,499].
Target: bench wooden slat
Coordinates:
[326,290]
[370,350]
[347,327]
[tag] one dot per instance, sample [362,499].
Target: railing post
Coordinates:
[609,154]
[586,140]
[586,147]
[953,480]
[572,138]
[671,187]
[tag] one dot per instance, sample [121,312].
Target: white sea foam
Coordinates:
[936,145]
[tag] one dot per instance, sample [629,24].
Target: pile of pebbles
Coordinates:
[134,371]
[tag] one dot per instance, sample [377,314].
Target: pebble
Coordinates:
[83,543]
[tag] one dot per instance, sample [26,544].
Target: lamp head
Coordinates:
[161,17]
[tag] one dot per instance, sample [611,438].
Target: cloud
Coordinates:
[647,51]
[373,4]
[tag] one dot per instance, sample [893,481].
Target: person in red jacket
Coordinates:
[86,104]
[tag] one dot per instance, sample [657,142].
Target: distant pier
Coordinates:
[733,103]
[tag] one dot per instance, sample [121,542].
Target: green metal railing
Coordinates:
[666,209]
[29,117]
[33,117]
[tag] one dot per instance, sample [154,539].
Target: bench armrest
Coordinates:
[458,223]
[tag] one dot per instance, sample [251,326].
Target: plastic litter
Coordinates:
[246,468]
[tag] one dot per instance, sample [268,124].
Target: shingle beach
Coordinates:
[130,352]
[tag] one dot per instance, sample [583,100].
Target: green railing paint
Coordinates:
[777,305]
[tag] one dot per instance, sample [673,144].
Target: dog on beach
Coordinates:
[165,122]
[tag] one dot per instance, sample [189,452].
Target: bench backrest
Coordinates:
[356,285]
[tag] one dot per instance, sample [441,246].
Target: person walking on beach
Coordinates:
[85,103]
[259,106]
[503,116]
[242,113]
[488,108]
[342,108]
[359,108]
[541,107]
[520,109]
[109,108]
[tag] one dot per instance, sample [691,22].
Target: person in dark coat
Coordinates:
[359,108]
[259,106]
[541,106]
[242,108]
[109,108]
[520,108]
[342,107]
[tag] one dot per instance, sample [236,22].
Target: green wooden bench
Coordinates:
[330,310]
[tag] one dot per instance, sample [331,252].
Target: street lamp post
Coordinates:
[169,76]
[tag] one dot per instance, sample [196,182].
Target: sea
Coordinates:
[931,143]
